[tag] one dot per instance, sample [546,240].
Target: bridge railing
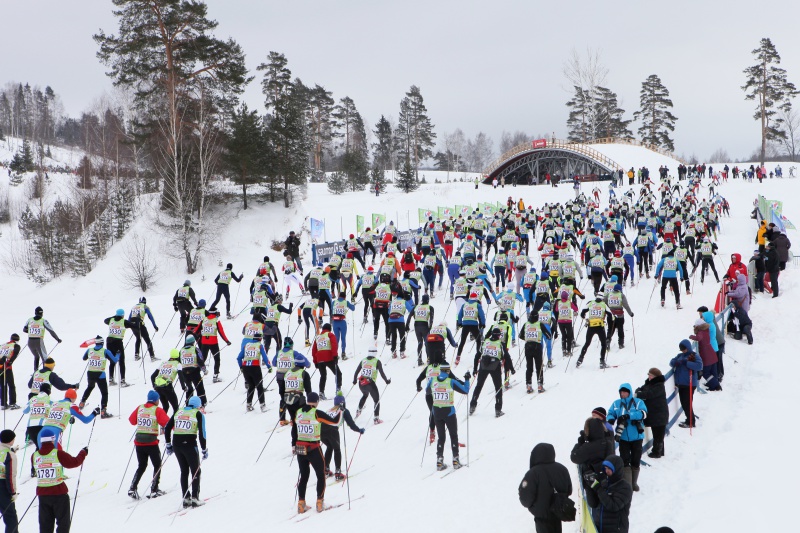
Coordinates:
[634,142]
[558,144]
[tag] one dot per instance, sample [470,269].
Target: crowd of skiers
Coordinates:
[500,295]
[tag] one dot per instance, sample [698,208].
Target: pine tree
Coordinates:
[414,133]
[768,85]
[377,175]
[609,116]
[383,147]
[406,177]
[23,159]
[244,156]
[336,183]
[321,123]
[353,135]
[655,115]
[578,123]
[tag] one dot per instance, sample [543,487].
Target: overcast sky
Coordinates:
[481,65]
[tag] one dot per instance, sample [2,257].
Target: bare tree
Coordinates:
[140,264]
[586,75]
[509,140]
[720,155]
[479,152]
[790,120]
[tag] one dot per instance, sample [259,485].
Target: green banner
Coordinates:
[445,213]
[359,224]
[424,214]
[378,220]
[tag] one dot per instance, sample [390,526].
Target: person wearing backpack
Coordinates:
[545,478]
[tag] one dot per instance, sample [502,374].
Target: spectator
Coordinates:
[761,236]
[536,489]
[593,446]
[758,263]
[736,267]
[742,320]
[782,243]
[601,414]
[610,498]
[628,412]
[654,395]
[686,365]
[740,292]
[772,265]
[702,334]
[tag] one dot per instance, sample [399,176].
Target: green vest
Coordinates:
[138,311]
[225,277]
[209,327]
[59,415]
[493,349]
[36,328]
[285,361]
[260,299]
[146,421]
[442,392]
[186,421]
[3,454]
[7,349]
[49,471]
[252,354]
[183,292]
[251,328]
[369,368]
[293,381]
[532,332]
[422,313]
[196,316]
[308,427]
[167,373]
[189,357]
[273,315]
[340,308]
[39,409]
[470,312]
[40,377]
[116,328]
[97,359]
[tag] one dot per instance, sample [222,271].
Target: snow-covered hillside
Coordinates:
[730,475]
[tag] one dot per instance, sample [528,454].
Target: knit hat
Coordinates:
[699,322]
[49,363]
[99,340]
[444,366]
[152,397]
[600,411]
[608,464]
[7,435]
[46,435]
[71,394]
[655,372]
[201,303]
[702,309]
[312,397]
[174,353]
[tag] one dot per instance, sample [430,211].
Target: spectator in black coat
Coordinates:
[744,322]
[593,446]
[782,246]
[772,264]
[758,263]
[610,498]
[654,396]
[292,243]
[536,489]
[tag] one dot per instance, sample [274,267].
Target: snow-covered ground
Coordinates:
[628,155]
[730,475]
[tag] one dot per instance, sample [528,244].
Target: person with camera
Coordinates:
[654,395]
[629,413]
[686,365]
[593,446]
[544,478]
[609,497]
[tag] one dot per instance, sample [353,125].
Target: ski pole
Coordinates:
[155,476]
[121,481]
[24,451]
[378,403]
[78,486]
[350,464]
[651,296]
[170,323]
[23,514]
[347,472]
[633,327]
[259,383]
[236,300]
[401,416]
[52,350]
[270,437]
[242,310]
[226,386]
[421,461]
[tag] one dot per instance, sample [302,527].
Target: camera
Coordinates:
[620,430]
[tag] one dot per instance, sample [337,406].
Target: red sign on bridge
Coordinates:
[540,143]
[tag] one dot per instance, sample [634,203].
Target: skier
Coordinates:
[598,312]
[189,425]
[310,313]
[272,318]
[532,333]
[192,363]
[117,326]
[617,304]
[8,479]
[297,382]
[289,268]
[443,411]
[367,283]
[35,328]
[38,408]
[367,375]
[667,271]
[196,315]
[705,257]
[46,375]
[472,320]
[49,463]
[423,321]
[61,414]
[324,352]
[223,281]
[329,436]
[209,345]
[434,344]
[491,357]
[136,317]
[183,302]
[250,357]
[339,320]
[163,380]
[397,326]
[628,412]
[96,360]
[8,354]
[309,454]
[148,419]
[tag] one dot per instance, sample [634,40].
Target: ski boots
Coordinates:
[498,414]
[344,356]
[13,406]
[458,359]
[81,405]
[249,407]
[156,493]
[550,364]
[621,345]
[216,378]
[133,494]
[153,359]
[579,363]
[263,408]
[541,388]
[358,413]
[529,389]
[111,382]
[394,355]
[456,463]
[662,303]
[472,409]
[328,472]
[308,343]
[603,365]
[678,306]
[229,316]
[124,383]
[322,396]
[285,422]
[339,476]
[420,363]
[136,357]
[320,505]
[197,502]
[402,355]
[105,414]
[506,385]
[440,464]
[377,421]
[187,503]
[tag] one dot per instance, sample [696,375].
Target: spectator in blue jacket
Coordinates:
[687,364]
[628,412]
